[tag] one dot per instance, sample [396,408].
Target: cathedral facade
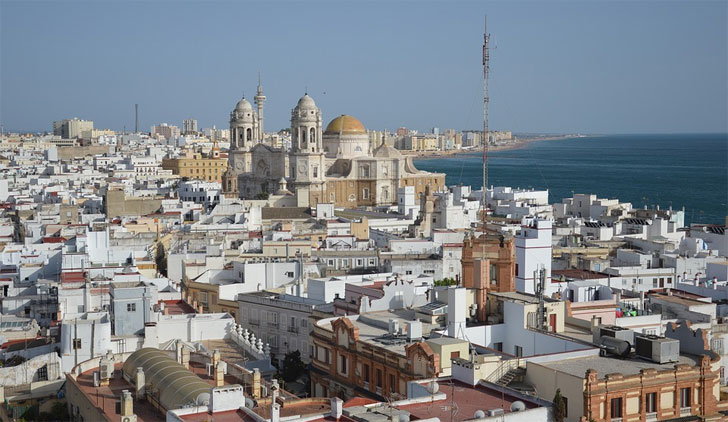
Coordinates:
[335,165]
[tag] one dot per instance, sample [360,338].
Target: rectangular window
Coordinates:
[498,346]
[365,193]
[392,383]
[650,402]
[379,378]
[131,307]
[685,397]
[43,373]
[454,355]
[343,368]
[493,274]
[76,344]
[408,272]
[365,372]
[616,408]
[518,351]
[654,283]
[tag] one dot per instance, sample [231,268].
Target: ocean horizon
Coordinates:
[666,170]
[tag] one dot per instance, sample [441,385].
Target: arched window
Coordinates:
[352,198]
[303,138]
[248,134]
[312,135]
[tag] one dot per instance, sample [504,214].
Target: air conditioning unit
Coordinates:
[132,418]
[106,370]
[657,349]
[619,333]
[495,412]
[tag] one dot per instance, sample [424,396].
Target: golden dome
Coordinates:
[345,124]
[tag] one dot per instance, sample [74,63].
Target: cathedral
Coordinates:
[335,165]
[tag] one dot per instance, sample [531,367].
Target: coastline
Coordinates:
[518,144]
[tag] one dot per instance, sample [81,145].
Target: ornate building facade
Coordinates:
[335,165]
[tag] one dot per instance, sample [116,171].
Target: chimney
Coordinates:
[256,383]
[337,408]
[186,358]
[179,352]
[140,382]
[275,412]
[127,403]
[219,373]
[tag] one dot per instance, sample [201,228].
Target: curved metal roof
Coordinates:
[178,386]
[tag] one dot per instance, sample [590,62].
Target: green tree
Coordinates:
[446,282]
[293,366]
[161,259]
[559,407]
[262,195]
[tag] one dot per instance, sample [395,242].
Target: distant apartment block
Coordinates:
[166,131]
[72,128]
[189,126]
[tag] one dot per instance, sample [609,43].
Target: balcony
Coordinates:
[254,322]
[293,329]
[616,420]
[685,411]
[272,323]
[651,416]
[366,385]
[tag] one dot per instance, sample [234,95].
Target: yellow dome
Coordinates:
[345,124]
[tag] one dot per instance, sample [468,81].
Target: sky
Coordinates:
[556,66]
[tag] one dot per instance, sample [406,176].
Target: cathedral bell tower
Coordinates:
[244,135]
[307,155]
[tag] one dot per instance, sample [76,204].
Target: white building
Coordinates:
[204,193]
[533,252]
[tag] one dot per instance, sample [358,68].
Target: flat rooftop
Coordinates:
[609,365]
[467,401]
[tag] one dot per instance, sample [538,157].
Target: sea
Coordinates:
[675,171]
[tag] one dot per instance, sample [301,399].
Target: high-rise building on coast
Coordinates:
[189,126]
[166,131]
[72,128]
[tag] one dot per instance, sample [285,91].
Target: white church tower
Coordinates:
[307,155]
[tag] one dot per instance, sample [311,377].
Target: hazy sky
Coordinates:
[595,67]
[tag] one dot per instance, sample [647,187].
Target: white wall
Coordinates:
[533,251]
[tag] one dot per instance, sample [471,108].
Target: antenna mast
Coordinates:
[484,140]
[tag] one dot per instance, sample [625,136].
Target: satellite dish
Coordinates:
[433,387]
[518,406]
[479,414]
[249,403]
[404,418]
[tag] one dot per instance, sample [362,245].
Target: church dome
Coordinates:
[345,125]
[306,102]
[243,105]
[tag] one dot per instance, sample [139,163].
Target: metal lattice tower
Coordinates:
[484,140]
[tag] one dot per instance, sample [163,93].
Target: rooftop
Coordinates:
[466,399]
[608,365]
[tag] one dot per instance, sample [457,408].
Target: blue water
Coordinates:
[688,171]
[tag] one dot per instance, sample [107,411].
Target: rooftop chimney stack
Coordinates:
[127,403]
[337,408]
